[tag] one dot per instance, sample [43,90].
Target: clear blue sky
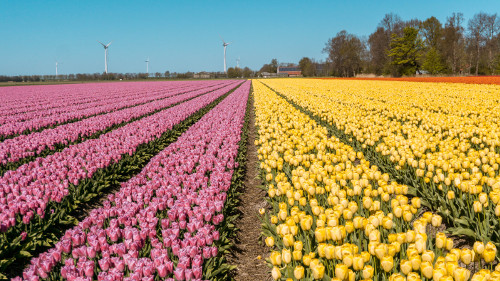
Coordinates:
[184,35]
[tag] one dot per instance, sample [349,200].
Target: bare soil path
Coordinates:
[249,246]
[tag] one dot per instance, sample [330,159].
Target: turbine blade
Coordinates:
[222,39]
[109,44]
[101,43]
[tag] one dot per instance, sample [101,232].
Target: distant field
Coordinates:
[468,80]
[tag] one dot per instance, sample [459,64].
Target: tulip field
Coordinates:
[379,180]
[363,179]
[172,150]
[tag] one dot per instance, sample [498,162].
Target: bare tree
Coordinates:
[477,34]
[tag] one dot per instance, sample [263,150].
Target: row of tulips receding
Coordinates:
[56,99]
[163,221]
[12,150]
[35,120]
[25,192]
[449,147]
[336,216]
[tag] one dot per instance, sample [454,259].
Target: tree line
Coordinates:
[412,47]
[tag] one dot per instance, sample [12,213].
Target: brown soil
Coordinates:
[250,251]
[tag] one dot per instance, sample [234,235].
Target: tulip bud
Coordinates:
[368,272]
[276,273]
[426,269]
[318,271]
[298,272]
[358,262]
[461,274]
[286,256]
[489,254]
[478,207]
[288,240]
[479,247]
[275,258]
[429,256]
[269,241]
[405,266]
[306,260]
[450,195]
[436,220]
[387,263]
[341,271]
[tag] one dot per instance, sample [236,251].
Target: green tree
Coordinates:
[247,72]
[307,67]
[406,51]
[234,72]
[433,62]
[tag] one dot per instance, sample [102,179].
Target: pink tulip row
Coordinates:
[31,120]
[27,190]
[46,100]
[173,206]
[12,150]
[76,97]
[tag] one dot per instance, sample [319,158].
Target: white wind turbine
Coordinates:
[224,44]
[57,64]
[105,55]
[238,62]
[147,66]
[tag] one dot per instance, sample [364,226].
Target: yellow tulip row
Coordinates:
[335,216]
[444,138]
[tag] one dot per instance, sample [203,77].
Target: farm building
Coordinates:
[290,71]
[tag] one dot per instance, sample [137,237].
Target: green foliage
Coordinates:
[234,72]
[406,51]
[307,67]
[433,62]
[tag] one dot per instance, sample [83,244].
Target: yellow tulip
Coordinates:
[489,255]
[415,262]
[367,272]
[413,276]
[347,259]
[467,256]
[387,263]
[297,255]
[276,273]
[461,274]
[306,260]
[437,274]
[358,263]
[341,271]
[318,271]
[405,266]
[275,258]
[269,241]
[274,219]
[286,256]
[440,240]
[436,220]
[288,240]
[478,247]
[298,245]
[428,255]
[298,272]
[426,269]
[478,208]
[366,256]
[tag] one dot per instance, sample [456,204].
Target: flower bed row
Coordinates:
[48,218]
[21,102]
[336,216]
[32,121]
[12,150]
[448,148]
[163,221]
